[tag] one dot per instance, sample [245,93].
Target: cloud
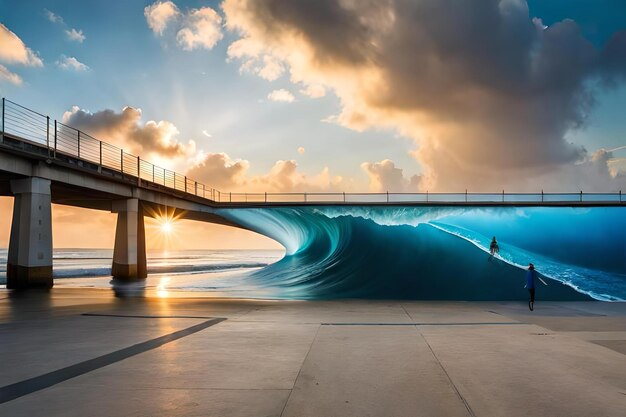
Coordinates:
[71,33]
[267,67]
[598,171]
[8,76]
[384,176]
[285,177]
[196,28]
[487,93]
[125,130]
[202,28]
[158,142]
[207,134]
[54,18]
[271,69]
[219,171]
[301,150]
[314,91]
[281,95]
[75,35]
[71,63]
[14,51]
[160,14]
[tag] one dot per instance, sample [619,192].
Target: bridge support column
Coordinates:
[29,262]
[129,254]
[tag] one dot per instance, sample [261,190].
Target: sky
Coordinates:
[332,95]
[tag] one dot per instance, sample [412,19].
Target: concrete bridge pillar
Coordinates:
[129,254]
[29,262]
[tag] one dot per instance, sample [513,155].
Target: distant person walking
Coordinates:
[494,248]
[531,277]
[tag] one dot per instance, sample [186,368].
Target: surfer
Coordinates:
[494,248]
[530,285]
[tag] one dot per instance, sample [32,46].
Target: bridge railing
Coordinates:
[33,131]
[37,131]
[425,198]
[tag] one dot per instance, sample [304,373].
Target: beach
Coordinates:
[76,352]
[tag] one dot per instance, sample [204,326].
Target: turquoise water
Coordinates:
[392,252]
[442,252]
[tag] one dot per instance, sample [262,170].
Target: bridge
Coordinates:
[43,161]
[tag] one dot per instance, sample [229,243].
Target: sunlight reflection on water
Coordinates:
[162,286]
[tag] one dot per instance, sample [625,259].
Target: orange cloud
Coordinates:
[159,15]
[14,51]
[219,171]
[126,131]
[8,76]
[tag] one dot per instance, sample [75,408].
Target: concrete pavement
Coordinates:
[76,352]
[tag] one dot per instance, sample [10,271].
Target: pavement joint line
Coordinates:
[38,383]
[139,316]
[456,390]
[458,393]
[506,323]
[295,381]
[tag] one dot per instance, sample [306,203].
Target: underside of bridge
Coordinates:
[29,262]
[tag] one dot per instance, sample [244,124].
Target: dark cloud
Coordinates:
[488,92]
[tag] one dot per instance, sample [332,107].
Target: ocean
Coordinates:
[216,271]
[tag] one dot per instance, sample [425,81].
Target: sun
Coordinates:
[162,227]
[166,226]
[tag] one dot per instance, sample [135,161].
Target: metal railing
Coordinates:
[423,198]
[59,140]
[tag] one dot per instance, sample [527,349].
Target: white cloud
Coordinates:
[54,18]
[75,35]
[8,76]
[314,91]
[160,14]
[196,28]
[281,95]
[207,134]
[619,148]
[71,63]
[301,150]
[71,33]
[202,28]
[13,50]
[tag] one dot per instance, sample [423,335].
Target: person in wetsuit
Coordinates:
[531,277]
[494,248]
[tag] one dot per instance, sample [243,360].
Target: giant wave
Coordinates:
[440,252]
